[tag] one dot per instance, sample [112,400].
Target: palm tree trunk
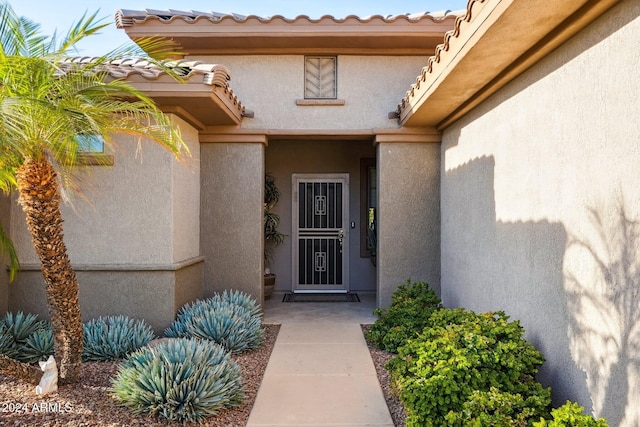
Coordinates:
[22,371]
[40,200]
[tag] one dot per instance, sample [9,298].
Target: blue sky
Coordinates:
[61,14]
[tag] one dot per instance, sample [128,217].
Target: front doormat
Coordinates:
[321,297]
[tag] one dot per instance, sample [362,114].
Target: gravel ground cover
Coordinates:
[90,404]
[380,359]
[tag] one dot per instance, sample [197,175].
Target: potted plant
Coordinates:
[272,237]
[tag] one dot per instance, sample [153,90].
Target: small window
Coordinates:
[320,77]
[91,151]
[90,143]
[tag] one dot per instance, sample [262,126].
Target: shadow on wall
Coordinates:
[602,280]
[517,267]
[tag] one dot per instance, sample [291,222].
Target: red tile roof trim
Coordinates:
[127,18]
[440,49]
[212,74]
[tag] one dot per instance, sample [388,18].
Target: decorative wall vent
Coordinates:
[320,77]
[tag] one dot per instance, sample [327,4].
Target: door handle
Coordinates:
[341,239]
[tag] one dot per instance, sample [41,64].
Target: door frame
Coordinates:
[319,177]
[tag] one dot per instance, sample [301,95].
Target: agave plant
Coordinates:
[7,343]
[232,320]
[37,346]
[181,380]
[114,337]
[22,325]
[25,338]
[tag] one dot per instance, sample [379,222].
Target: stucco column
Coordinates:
[408,211]
[231,216]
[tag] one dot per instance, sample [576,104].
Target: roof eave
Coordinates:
[494,43]
[201,34]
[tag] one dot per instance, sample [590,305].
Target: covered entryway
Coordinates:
[320,205]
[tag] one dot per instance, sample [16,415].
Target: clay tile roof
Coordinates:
[212,74]
[193,72]
[127,18]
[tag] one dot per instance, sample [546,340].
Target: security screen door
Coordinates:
[320,234]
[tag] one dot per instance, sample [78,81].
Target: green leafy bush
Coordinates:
[232,320]
[465,352]
[570,415]
[495,408]
[181,380]
[114,337]
[25,338]
[411,307]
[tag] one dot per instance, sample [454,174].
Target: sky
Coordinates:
[61,15]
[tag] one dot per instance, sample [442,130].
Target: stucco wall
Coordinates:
[232,187]
[409,216]
[152,295]
[284,158]
[133,236]
[270,86]
[143,210]
[541,213]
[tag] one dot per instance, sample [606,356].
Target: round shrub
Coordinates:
[181,380]
[411,307]
[465,352]
[114,337]
[232,320]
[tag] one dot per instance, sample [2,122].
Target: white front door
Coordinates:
[320,232]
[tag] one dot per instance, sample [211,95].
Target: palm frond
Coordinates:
[7,248]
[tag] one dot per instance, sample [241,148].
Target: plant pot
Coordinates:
[269,285]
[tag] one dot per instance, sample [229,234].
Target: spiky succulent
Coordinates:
[114,337]
[25,338]
[7,343]
[37,346]
[232,320]
[22,325]
[182,380]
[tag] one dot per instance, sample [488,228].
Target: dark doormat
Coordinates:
[321,297]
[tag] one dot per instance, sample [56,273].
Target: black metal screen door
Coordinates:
[320,253]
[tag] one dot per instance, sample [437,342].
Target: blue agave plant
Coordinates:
[231,319]
[25,338]
[114,337]
[182,380]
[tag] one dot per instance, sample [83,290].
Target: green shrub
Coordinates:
[114,337]
[411,307]
[181,380]
[465,352]
[232,320]
[495,408]
[570,415]
[25,338]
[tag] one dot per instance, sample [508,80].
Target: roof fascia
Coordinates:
[254,35]
[494,43]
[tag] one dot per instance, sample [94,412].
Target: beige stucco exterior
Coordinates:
[135,226]
[270,85]
[507,175]
[540,210]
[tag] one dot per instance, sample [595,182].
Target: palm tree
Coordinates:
[48,106]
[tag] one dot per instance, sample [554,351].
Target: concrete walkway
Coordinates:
[320,374]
